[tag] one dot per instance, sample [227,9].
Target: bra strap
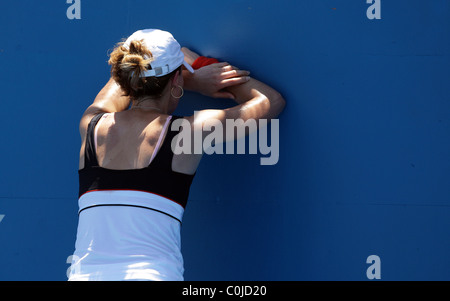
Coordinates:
[90,156]
[164,156]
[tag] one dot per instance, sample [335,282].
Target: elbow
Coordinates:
[281,101]
[278,104]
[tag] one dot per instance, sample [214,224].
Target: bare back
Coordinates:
[130,140]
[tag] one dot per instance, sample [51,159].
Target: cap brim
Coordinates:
[188,67]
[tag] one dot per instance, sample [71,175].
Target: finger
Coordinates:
[235,73]
[234,81]
[219,65]
[227,68]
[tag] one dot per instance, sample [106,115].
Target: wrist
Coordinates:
[203,61]
[189,81]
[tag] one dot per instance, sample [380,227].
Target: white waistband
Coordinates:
[145,200]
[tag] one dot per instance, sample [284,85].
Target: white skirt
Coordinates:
[127,235]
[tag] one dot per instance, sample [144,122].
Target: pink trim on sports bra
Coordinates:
[158,144]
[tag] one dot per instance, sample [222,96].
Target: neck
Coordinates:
[150,104]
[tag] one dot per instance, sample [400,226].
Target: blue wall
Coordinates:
[364,163]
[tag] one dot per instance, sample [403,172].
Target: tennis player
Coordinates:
[133,189]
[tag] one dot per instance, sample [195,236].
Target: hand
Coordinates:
[212,80]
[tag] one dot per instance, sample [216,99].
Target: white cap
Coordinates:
[166,51]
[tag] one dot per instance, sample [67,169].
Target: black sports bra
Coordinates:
[158,177]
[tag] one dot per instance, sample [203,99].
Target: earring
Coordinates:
[182,92]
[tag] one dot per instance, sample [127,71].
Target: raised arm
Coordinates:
[255,99]
[110,99]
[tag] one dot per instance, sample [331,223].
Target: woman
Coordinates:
[133,188]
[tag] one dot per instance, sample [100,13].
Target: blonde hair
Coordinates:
[127,64]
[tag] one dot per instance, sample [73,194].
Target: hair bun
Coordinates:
[131,62]
[132,66]
[128,62]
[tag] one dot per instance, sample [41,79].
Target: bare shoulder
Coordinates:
[90,113]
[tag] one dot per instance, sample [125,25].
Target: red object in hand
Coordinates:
[203,61]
